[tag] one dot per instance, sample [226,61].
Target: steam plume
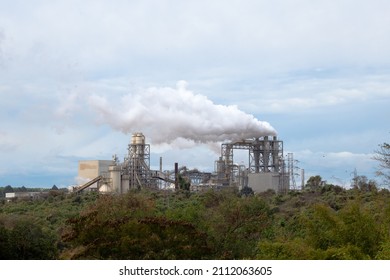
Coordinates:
[169,114]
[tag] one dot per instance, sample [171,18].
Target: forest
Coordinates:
[320,222]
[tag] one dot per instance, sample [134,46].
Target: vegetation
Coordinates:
[320,222]
[382,155]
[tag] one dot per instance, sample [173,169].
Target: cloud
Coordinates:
[7,144]
[167,114]
[312,91]
[317,70]
[252,34]
[1,46]
[335,167]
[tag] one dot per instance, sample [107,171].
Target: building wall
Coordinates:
[25,195]
[260,182]
[90,169]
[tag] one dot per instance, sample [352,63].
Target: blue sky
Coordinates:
[78,77]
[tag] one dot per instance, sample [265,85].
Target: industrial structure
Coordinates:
[265,169]
[265,165]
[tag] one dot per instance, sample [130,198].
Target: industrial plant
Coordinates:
[265,169]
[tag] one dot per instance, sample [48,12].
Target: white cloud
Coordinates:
[311,92]
[310,68]
[335,167]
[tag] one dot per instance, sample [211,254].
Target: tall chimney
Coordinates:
[176,176]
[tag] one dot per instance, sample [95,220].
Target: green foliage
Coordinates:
[209,225]
[326,222]
[322,227]
[30,229]
[246,191]
[5,244]
[25,240]
[314,182]
[295,249]
[351,233]
[384,251]
[30,241]
[184,183]
[126,227]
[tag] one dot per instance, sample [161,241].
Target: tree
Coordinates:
[54,188]
[126,227]
[314,182]
[246,191]
[382,155]
[184,183]
[29,241]
[362,183]
[5,247]
[8,189]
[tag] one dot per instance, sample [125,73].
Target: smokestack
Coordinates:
[176,176]
[160,164]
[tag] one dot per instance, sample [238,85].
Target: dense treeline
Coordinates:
[326,222]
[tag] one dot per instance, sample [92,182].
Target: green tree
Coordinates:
[291,249]
[246,191]
[184,183]
[360,229]
[8,189]
[314,182]
[236,225]
[29,242]
[323,227]
[5,246]
[127,227]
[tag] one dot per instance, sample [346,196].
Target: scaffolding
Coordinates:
[291,171]
[137,164]
[265,155]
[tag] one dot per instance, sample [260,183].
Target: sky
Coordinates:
[77,78]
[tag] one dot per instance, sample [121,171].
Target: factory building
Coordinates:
[90,169]
[265,169]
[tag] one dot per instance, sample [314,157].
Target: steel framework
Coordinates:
[264,155]
[137,166]
[291,171]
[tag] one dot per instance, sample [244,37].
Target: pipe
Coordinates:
[176,176]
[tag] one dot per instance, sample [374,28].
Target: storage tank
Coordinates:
[115,176]
[105,189]
[138,139]
[137,145]
[125,183]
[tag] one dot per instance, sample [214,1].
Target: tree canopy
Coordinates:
[325,222]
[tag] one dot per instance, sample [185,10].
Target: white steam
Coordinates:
[167,115]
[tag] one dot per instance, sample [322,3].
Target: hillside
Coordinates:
[325,223]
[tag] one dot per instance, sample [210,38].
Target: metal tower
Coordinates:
[264,155]
[290,168]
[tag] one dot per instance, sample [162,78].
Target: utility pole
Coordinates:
[355,178]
